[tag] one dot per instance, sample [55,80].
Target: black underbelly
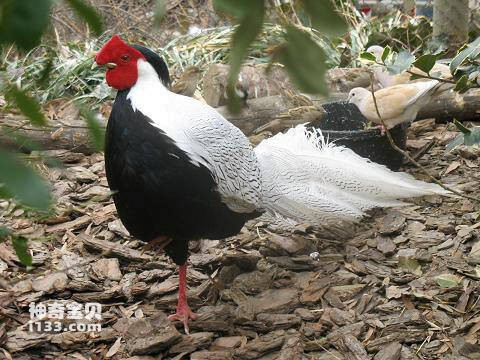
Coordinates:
[158,190]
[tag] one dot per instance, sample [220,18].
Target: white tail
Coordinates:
[308,180]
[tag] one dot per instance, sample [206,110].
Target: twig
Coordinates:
[410,158]
[424,150]
[430,77]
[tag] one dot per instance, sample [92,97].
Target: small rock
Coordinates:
[117,227]
[80,174]
[372,242]
[214,318]
[22,287]
[439,318]
[228,342]
[305,314]
[415,227]
[341,317]
[211,355]
[192,342]
[352,347]
[294,263]
[315,289]
[292,349]
[227,274]
[400,239]
[474,256]
[313,329]
[275,301]
[446,228]
[103,269]
[466,152]
[392,223]
[244,312]
[200,260]
[253,282]
[279,321]
[390,352]
[51,283]
[155,274]
[386,245]
[148,336]
[289,245]
[169,285]
[261,345]
[97,193]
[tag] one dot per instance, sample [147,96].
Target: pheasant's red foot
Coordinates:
[383,130]
[183,314]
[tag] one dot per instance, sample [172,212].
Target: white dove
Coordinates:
[396,104]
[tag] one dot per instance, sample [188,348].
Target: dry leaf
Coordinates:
[115,347]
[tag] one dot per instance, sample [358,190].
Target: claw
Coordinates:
[383,130]
[183,314]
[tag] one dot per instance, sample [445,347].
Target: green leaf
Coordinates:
[20,245]
[368,56]
[448,280]
[409,264]
[455,142]
[250,15]
[22,22]
[22,182]
[304,61]
[461,127]
[470,51]
[27,105]
[403,61]
[325,18]
[425,62]
[469,137]
[4,233]
[88,14]
[386,51]
[416,77]
[160,10]
[97,132]
[462,84]
[45,73]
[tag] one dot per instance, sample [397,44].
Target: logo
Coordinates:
[61,316]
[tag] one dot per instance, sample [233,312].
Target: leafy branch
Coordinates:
[464,67]
[22,24]
[303,58]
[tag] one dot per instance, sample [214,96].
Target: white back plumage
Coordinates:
[204,135]
[308,180]
[295,175]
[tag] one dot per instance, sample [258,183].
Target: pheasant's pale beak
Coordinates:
[111,65]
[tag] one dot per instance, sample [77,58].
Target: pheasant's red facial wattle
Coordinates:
[121,61]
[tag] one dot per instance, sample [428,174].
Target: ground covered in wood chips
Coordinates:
[404,286]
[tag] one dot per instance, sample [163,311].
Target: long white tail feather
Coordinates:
[308,180]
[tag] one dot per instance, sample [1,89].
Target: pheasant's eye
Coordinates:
[124,58]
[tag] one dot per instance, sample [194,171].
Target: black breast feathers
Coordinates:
[157,189]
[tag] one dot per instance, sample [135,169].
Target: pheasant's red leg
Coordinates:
[183,313]
[157,244]
[383,130]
